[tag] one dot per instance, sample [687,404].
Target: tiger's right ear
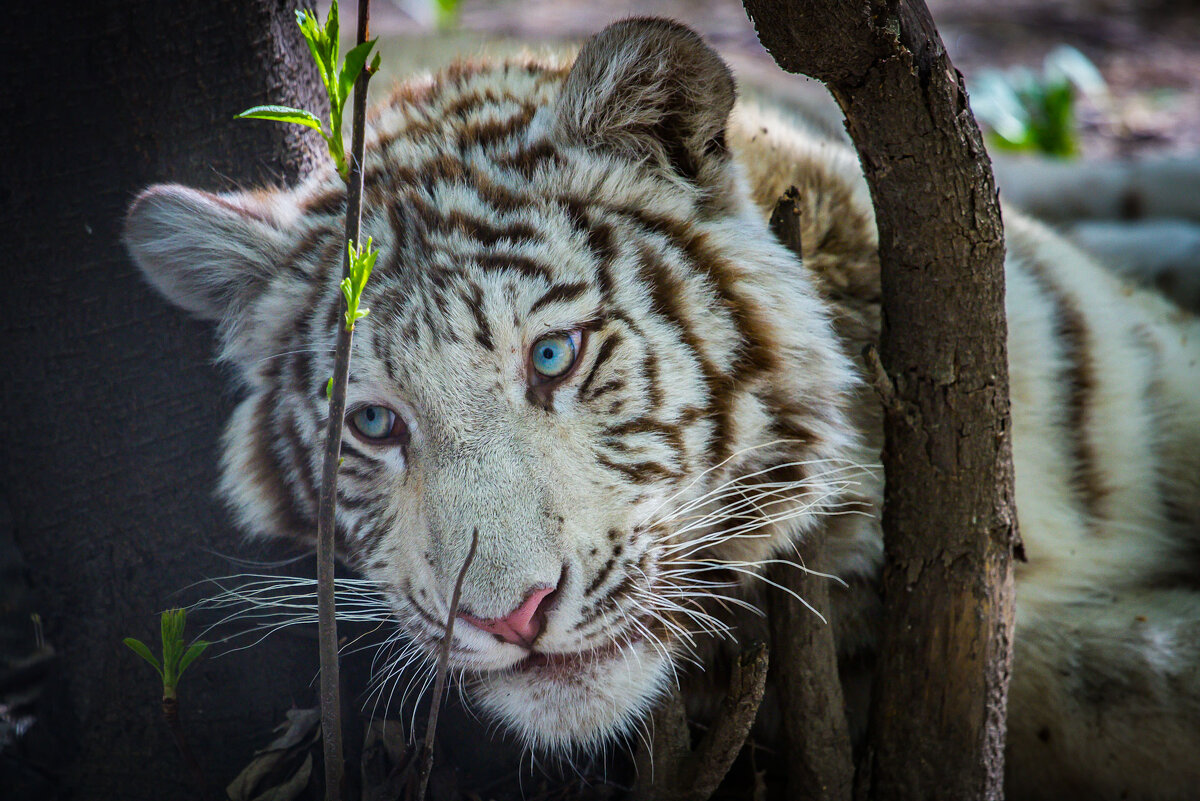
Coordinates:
[209,254]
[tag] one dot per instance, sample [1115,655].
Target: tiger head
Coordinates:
[585,351]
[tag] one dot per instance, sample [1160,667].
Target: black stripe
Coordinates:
[483,332]
[512,262]
[559,293]
[607,347]
[1078,376]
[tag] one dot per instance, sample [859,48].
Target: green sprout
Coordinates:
[1026,111]
[323,44]
[176,658]
[361,263]
[447,12]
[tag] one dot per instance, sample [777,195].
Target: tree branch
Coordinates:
[326,612]
[669,770]
[816,736]
[948,516]
[443,668]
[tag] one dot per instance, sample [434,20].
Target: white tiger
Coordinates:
[586,346]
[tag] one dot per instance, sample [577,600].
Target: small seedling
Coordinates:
[176,658]
[362,261]
[339,80]
[1026,111]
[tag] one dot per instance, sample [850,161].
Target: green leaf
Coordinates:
[190,655]
[447,12]
[139,648]
[311,29]
[1077,69]
[375,63]
[331,31]
[297,116]
[173,621]
[353,65]
[329,389]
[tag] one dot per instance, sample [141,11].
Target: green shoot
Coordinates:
[361,263]
[329,389]
[176,658]
[447,12]
[1026,111]
[339,80]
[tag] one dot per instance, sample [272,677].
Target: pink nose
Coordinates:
[520,626]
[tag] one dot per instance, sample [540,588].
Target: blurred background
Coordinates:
[1090,108]
[1147,52]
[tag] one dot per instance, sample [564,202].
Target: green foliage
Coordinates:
[176,658]
[322,42]
[447,12]
[1027,111]
[297,116]
[362,261]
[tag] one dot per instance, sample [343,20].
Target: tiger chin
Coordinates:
[587,353]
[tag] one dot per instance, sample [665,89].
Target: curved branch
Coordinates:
[949,521]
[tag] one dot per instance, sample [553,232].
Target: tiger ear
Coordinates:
[651,90]
[209,254]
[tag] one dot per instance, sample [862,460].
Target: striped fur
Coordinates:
[714,415]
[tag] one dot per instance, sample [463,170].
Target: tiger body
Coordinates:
[613,208]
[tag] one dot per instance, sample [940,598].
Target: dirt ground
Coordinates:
[1147,50]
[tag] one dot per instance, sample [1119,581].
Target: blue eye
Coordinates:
[553,355]
[377,422]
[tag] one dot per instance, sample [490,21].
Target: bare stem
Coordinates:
[170,708]
[331,723]
[443,668]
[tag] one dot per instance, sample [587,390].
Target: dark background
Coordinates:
[111,404]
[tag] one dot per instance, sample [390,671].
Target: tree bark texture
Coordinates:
[937,722]
[111,405]
[816,737]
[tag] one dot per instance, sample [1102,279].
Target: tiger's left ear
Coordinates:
[651,90]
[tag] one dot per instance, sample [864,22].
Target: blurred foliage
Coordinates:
[447,12]
[1022,110]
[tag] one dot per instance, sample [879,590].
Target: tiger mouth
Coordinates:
[570,664]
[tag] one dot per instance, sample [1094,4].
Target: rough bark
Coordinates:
[816,737]
[937,723]
[111,406]
[669,769]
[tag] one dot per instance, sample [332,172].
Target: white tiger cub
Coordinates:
[585,345]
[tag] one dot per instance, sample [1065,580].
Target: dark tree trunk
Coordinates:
[111,405]
[937,724]
[816,737]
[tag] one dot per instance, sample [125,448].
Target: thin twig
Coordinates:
[170,709]
[443,668]
[331,724]
[880,380]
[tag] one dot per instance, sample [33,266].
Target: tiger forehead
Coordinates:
[466,91]
[471,115]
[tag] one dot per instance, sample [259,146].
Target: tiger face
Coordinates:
[584,350]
